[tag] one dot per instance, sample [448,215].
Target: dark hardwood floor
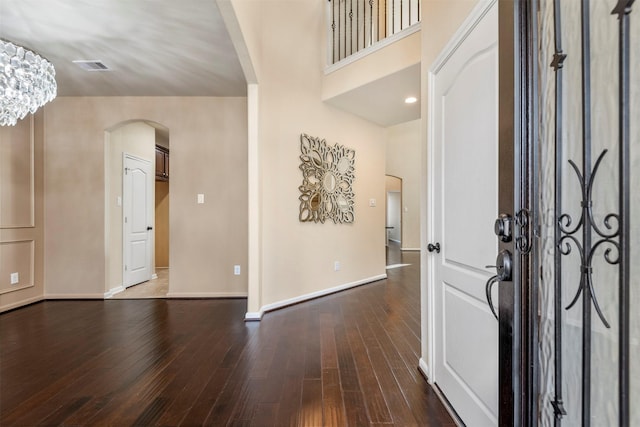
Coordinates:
[348,359]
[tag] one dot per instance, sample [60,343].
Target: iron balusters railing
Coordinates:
[358,24]
[586,236]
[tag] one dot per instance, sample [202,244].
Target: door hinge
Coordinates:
[126,268]
[125,219]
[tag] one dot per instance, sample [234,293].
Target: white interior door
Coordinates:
[137,220]
[464,202]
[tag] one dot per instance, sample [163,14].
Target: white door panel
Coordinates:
[464,201]
[469,122]
[138,217]
[465,352]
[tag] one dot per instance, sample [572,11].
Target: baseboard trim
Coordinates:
[424,368]
[255,316]
[21,304]
[410,249]
[73,296]
[113,291]
[200,295]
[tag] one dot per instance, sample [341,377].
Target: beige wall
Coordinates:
[208,155]
[404,149]
[21,212]
[298,259]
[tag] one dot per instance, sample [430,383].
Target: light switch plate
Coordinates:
[372,202]
[15,278]
[236,270]
[200,199]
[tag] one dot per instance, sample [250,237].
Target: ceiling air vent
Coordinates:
[91,65]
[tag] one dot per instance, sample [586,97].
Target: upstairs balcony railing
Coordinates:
[358,24]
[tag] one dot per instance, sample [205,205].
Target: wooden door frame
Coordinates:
[518,299]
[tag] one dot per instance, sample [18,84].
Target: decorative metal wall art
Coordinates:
[327,179]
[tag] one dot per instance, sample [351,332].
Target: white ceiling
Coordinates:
[153,47]
[165,48]
[382,101]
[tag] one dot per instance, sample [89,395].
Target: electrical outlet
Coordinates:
[15,278]
[336,266]
[236,270]
[372,203]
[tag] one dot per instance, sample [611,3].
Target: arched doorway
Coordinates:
[136,181]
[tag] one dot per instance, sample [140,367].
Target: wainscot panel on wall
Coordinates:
[17,175]
[21,213]
[17,264]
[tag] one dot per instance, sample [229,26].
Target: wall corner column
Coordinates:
[254,290]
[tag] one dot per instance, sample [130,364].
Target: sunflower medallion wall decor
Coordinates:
[327,179]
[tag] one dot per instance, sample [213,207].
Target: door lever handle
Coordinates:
[149,228]
[503,267]
[487,289]
[431,247]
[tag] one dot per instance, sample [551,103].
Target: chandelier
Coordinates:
[27,82]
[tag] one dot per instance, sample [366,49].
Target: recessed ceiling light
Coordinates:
[91,65]
[411,100]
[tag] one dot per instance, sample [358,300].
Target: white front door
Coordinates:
[463,204]
[137,220]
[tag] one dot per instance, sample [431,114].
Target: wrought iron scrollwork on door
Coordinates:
[589,237]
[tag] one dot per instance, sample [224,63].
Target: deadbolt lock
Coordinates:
[502,227]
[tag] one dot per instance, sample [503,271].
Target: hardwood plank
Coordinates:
[63,412]
[313,365]
[374,399]
[355,409]
[311,409]
[390,390]
[333,412]
[265,415]
[329,354]
[290,402]
[152,412]
[201,408]
[346,364]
